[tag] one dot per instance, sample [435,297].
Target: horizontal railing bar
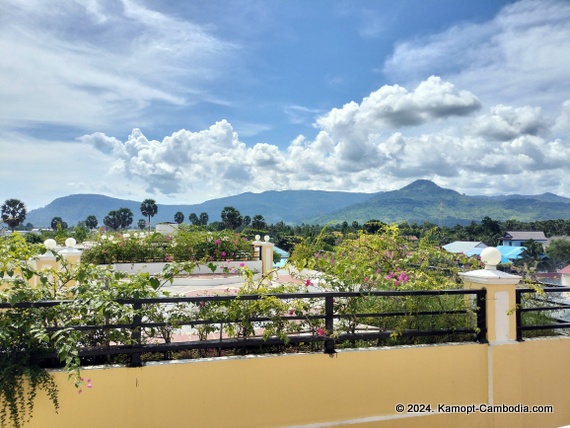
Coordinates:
[282,296]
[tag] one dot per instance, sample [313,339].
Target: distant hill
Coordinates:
[418,202]
[291,206]
[423,201]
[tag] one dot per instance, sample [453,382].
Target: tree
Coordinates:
[204,219]
[125,217]
[231,218]
[193,218]
[179,217]
[91,222]
[112,220]
[258,222]
[246,221]
[141,223]
[149,209]
[57,222]
[558,253]
[374,226]
[13,213]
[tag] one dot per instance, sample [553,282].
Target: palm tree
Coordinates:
[149,209]
[203,219]
[179,217]
[58,221]
[91,222]
[13,213]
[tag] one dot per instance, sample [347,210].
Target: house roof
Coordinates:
[463,246]
[565,270]
[523,236]
[510,253]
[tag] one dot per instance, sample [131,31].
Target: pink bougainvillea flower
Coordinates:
[217,242]
[291,311]
[89,383]
[242,264]
[321,331]
[223,254]
[308,282]
[365,279]
[79,391]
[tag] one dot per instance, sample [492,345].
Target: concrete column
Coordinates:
[265,252]
[500,286]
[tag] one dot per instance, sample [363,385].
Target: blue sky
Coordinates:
[189,101]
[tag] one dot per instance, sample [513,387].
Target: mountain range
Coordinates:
[417,202]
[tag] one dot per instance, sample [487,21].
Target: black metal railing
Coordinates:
[466,308]
[542,311]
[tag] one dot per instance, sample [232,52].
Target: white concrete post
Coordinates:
[501,298]
[265,251]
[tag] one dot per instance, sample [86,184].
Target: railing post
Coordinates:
[329,324]
[136,334]
[481,316]
[500,300]
[518,301]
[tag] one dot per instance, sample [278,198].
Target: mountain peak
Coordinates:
[422,186]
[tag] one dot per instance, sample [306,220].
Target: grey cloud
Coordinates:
[507,123]
[395,107]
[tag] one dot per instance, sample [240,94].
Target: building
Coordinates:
[517,239]
[465,247]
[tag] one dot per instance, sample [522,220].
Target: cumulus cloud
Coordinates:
[392,106]
[507,122]
[359,147]
[518,57]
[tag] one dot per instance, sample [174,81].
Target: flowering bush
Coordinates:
[185,245]
[386,261]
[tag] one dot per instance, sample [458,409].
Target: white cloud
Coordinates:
[98,63]
[357,148]
[506,122]
[520,57]
[393,107]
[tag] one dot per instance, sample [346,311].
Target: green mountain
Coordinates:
[418,202]
[291,206]
[423,201]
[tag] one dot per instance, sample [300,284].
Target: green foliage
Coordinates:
[386,261]
[231,218]
[13,213]
[187,244]
[558,253]
[149,209]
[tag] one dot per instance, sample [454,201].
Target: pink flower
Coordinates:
[321,331]
[79,391]
[242,264]
[308,282]
[217,242]
[291,311]
[223,254]
[89,383]
[365,279]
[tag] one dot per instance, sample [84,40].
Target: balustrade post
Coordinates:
[500,297]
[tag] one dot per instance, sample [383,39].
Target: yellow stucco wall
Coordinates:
[361,387]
